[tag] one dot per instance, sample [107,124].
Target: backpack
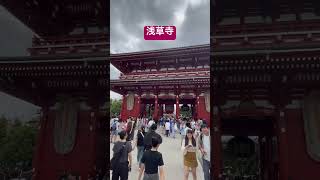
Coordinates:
[114,162]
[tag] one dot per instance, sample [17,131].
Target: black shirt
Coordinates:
[152,160]
[127,149]
[148,139]
[140,138]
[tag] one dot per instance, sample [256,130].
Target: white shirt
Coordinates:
[111,122]
[193,124]
[167,125]
[150,123]
[186,129]
[206,146]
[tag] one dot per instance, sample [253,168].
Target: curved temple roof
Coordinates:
[157,59]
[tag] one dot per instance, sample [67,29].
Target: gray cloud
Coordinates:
[191,17]
[127,19]
[15,37]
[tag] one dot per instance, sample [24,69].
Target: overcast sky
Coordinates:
[128,17]
[15,38]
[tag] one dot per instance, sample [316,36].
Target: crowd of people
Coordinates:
[195,146]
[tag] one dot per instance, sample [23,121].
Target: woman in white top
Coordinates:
[189,148]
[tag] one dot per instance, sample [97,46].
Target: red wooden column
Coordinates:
[283,146]
[40,142]
[156,109]
[161,110]
[216,158]
[177,107]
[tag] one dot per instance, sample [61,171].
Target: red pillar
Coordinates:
[177,107]
[156,109]
[85,158]
[283,146]
[216,159]
[161,110]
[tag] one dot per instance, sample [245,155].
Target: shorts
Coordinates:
[151,176]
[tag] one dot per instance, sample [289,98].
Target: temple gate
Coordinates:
[266,82]
[164,79]
[66,75]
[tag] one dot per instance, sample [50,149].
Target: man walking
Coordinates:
[148,137]
[122,150]
[204,146]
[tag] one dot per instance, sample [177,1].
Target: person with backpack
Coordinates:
[204,147]
[152,163]
[149,135]
[122,158]
[114,130]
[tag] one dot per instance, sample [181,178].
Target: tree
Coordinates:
[115,107]
[17,147]
[3,130]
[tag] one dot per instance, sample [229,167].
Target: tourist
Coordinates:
[182,132]
[193,123]
[145,121]
[189,155]
[149,135]
[150,123]
[197,129]
[167,126]
[130,129]
[140,144]
[171,125]
[161,123]
[174,129]
[122,125]
[204,146]
[139,123]
[122,149]
[114,130]
[152,163]
[187,127]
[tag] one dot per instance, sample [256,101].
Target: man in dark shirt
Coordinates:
[149,135]
[125,161]
[151,161]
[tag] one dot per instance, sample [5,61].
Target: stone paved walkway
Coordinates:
[172,157]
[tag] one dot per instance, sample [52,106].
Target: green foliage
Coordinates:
[115,107]
[236,165]
[3,130]
[184,113]
[17,145]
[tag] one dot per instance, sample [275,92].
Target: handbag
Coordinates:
[114,162]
